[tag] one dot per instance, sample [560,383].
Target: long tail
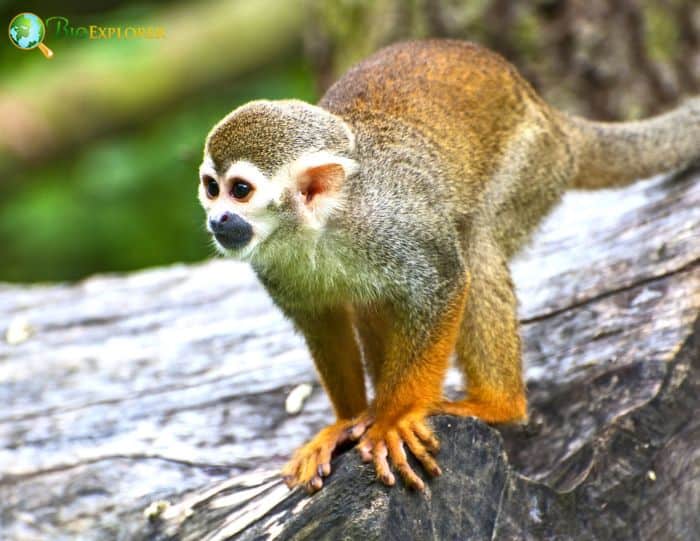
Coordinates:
[617,153]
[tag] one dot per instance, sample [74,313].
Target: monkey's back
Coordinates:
[465,99]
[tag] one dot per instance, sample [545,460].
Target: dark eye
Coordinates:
[211,186]
[241,189]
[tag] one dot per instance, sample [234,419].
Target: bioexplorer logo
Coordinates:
[60,27]
[27,31]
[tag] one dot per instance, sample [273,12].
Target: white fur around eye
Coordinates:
[256,209]
[207,168]
[266,191]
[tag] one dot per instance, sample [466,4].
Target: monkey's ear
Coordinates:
[318,178]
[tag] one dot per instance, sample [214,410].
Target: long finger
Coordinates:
[309,472]
[420,452]
[324,460]
[381,465]
[400,461]
[290,473]
[365,450]
[426,435]
[356,431]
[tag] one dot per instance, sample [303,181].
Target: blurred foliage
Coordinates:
[608,60]
[125,198]
[128,200]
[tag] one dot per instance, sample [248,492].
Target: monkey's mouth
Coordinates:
[234,240]
[231,231]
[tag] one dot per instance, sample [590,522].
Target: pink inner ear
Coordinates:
[321,179]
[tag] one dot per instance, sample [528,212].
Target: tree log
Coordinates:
[169,386]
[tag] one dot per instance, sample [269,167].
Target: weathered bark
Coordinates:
[167,384]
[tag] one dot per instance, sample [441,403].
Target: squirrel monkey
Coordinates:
[381,222]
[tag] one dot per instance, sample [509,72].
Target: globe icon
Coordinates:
[27,32]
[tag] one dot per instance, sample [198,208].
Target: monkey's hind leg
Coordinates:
[336,354]
[488,347]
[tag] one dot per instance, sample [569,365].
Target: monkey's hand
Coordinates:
[387,439]
[312,462]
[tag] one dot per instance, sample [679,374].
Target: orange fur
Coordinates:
[312,461]
[336,354]
[425,161]
[331,339]
[408,389]
[409,381]
[372,324]
[488,348]
[490,405]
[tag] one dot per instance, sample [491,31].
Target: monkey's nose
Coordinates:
[230,230]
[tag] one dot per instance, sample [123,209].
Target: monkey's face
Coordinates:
[272,167]
[242,206]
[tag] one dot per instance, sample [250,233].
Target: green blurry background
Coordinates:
[99,146]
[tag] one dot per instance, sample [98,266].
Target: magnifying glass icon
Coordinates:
[27,32]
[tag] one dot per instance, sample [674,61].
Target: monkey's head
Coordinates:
[273,166]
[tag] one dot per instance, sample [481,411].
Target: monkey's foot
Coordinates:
[312,462]
[384,440]
[500,409]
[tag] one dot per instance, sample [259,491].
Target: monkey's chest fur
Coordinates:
[311,271]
